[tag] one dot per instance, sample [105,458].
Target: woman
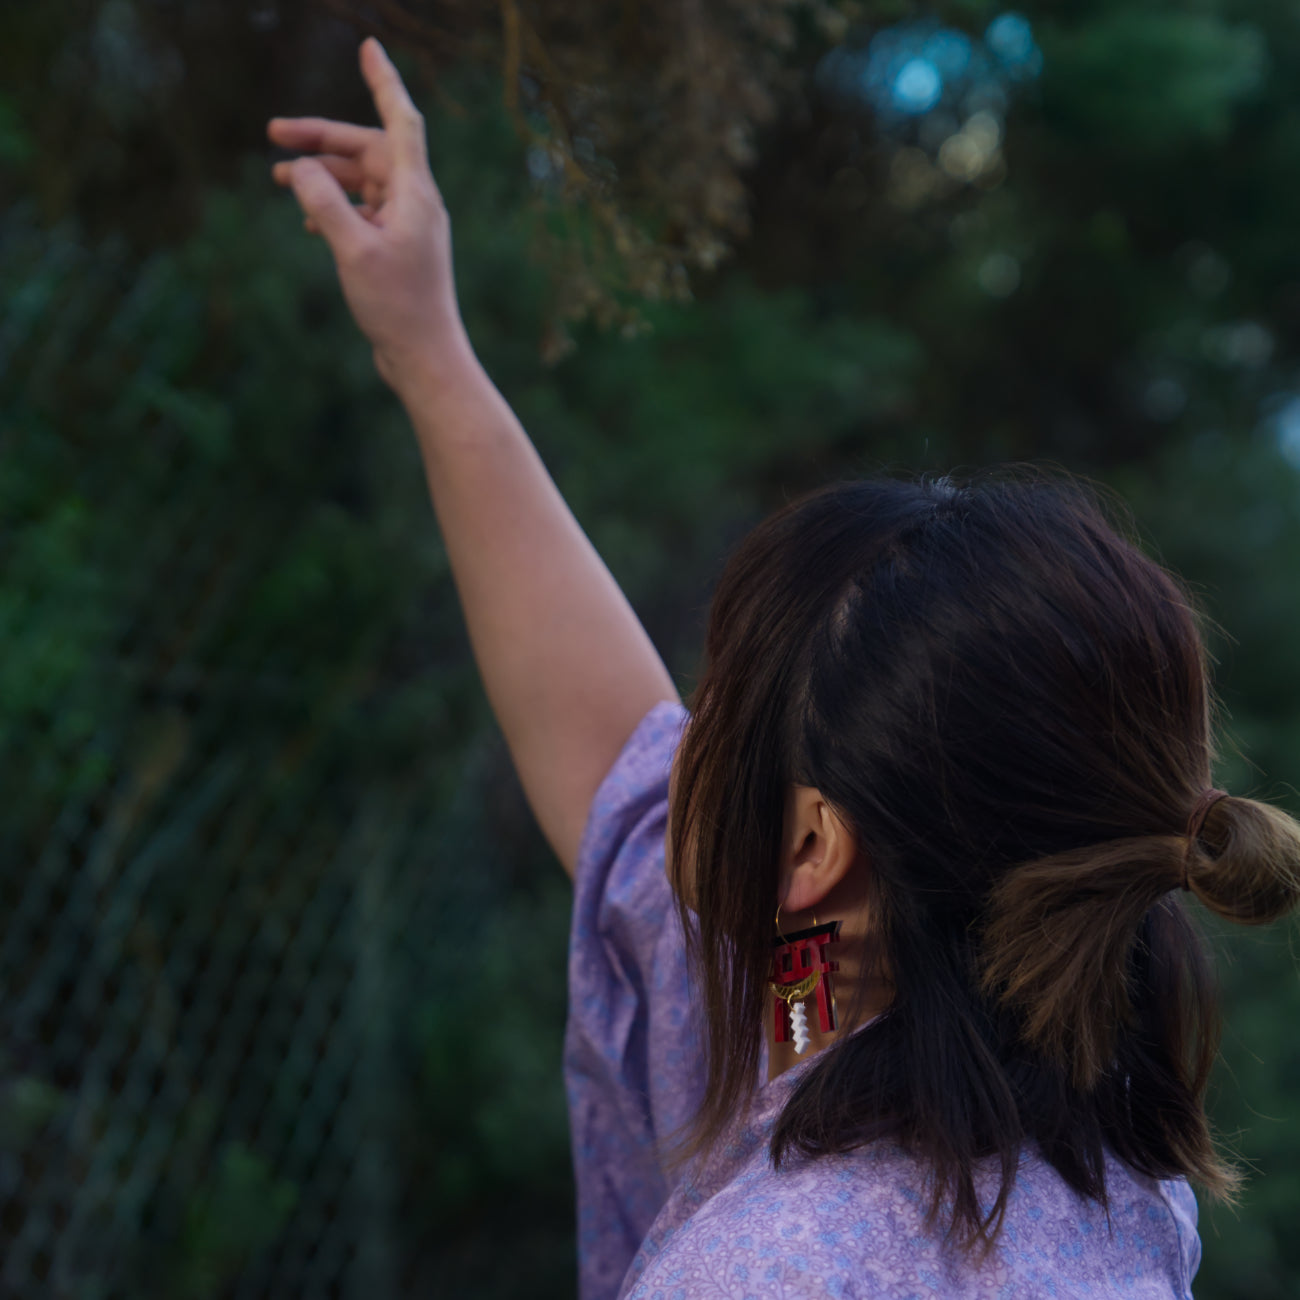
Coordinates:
[945,1028]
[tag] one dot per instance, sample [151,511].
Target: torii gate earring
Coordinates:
[800,966]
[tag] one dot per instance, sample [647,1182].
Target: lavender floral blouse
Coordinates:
[849,1227]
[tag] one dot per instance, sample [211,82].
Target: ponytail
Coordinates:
[1063,940]
[1057,940]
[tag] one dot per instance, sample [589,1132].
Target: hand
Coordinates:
[393,251]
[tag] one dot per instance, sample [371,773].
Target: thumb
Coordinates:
[324,203]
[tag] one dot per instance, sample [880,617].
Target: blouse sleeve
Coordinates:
[633,1065]
[1181,1201]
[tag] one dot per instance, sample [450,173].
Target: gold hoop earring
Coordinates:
[779,935]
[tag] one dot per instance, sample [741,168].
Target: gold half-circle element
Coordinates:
[796,992]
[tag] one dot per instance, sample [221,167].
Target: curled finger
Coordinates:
[349,173]
[325,205]
[321,135]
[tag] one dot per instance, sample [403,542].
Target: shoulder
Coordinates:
[623,907]
[854,1226]
[837,1226]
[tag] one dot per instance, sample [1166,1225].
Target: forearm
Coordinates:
[567,666]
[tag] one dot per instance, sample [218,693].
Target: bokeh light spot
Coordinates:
[1010,40]
[967,154]
[950,52]
[1164,399]
[1208,275]
[538,162]
[999,275]
[918,86]
[912,179]
[1238,343]
[935,88]
[1287,424]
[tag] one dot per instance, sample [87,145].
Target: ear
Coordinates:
[818,850]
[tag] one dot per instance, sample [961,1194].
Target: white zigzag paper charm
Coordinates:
[799,1024]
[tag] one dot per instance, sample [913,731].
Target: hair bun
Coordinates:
[1244,864]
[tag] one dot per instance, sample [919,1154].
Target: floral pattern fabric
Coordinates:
[850,1227]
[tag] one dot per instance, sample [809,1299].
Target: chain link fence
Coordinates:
[275,1016]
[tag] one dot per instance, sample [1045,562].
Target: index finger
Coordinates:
[401,119]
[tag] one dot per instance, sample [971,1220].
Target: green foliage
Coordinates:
[1150,81]
[15,143]
[241,1210]
[26,1108]
[259,825]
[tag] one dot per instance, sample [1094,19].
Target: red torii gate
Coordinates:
[800,958]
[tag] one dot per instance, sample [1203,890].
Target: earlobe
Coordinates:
[806,890]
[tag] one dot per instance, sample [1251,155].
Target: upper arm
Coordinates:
[562,774]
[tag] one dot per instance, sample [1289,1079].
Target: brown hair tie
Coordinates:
[1194,824]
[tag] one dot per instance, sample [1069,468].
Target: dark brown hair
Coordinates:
[1007,702]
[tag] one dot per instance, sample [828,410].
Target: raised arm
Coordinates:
[567,666]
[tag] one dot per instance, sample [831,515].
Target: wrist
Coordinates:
[418,374]
[449,397]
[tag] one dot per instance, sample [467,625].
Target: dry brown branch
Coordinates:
[510,33]
[650,113]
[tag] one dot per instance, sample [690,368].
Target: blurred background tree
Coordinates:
[282,957]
